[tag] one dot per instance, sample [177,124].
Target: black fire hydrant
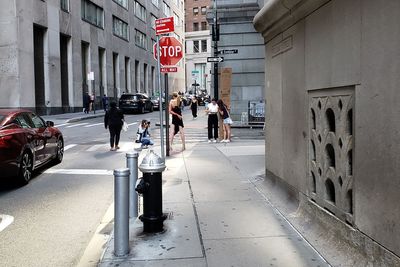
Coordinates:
[150,187]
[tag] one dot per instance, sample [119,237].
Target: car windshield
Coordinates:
[129,97]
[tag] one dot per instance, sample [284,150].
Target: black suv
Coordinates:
[135,103]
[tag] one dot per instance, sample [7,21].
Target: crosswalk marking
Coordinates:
[76,125]
[96,147]
[69,146]
[92,125]
[5,220]
[79,171]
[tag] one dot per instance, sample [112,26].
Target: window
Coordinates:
[203,25]
[92,13]
[196,47]
[153,42]
[120,28]
[156,2]
[167,10]
[153,21]
[176,20]
[140,11]
[140,39]
[195,11]
[64,4]
[195,26]
[203,10]
[203,45]
[37,121]
[123,3]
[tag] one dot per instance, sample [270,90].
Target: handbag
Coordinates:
[125,126]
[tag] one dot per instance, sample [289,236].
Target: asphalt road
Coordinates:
[55,215]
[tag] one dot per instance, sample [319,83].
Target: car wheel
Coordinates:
[25,168]
[60,151]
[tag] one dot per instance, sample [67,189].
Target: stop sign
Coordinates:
[171,51]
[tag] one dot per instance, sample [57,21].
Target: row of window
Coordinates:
[199,46]
[203,26]
[95,14]
[203,10]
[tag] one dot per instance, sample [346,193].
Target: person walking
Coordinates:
[113,120]
[177,119]
[86,102]
[105,102]
[91,102]
[193,107]
[212,123]
[223,111]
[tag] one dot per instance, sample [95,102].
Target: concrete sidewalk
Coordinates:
[216,214]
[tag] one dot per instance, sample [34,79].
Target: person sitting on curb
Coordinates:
[143,135]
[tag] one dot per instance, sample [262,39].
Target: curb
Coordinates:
[85,118]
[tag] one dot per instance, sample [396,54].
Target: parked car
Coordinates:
[135,103]
[156,103]
[26,143]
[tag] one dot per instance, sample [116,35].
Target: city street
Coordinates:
[56,214]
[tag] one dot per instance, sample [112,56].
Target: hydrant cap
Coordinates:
[152,163]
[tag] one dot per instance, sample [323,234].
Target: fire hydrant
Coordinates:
[150,187]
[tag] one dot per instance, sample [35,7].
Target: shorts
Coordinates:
[228,121]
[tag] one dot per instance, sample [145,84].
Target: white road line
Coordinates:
[92,125]
[76,125]
[5,220]
[96,147]
[69,146]
[61,125]
[129,124]
[79,171]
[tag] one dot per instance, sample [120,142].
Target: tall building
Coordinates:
[198,45]
[52,52]
[236,32]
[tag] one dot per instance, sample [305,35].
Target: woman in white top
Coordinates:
[212,111]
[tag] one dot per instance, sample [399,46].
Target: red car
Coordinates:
[27,142]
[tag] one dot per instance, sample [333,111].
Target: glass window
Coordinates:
[140,39]
[167,10]
[140,11]
[153,21]
[203,25]
[92,13]
[156,2]
[203,10]
[24,121]
[123,3]
[196,47]
[195,11]
[195,26]
[153,42]
[37,121]
[176,20]
[64,4]
[203,45]
[120,28]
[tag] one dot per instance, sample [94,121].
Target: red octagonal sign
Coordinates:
[171,51]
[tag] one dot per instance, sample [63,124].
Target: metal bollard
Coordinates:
[132,164]
[121,212]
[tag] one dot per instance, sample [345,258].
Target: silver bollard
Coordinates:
[132,165]
[121,212]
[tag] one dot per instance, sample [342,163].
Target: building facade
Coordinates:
[198,46]
[333,131]
[53,51]
[236,32]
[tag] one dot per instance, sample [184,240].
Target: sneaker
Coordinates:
[223,141]
[209,140]
[215,140]
[227,141]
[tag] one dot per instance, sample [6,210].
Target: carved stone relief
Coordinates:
[331,150]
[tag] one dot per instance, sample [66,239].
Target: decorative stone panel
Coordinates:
[331,150]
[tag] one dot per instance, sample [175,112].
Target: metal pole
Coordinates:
[94,99]
[215,51]
[132,165]
[121,212]
[167,114]
[160,99]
